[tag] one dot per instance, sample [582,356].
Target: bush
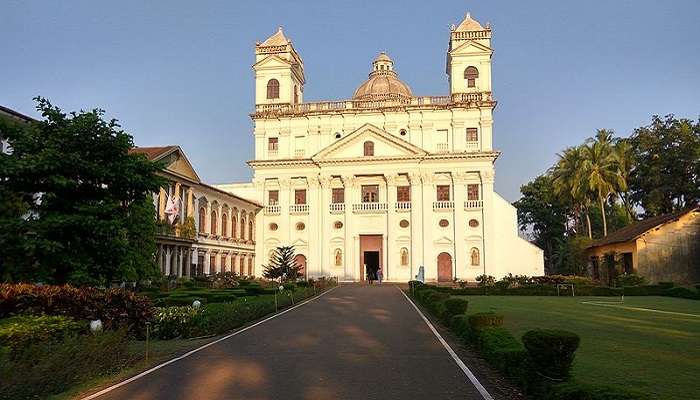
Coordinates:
[629,280]
[576,391]
[502,350]
[19,332]
[46,368]
[455,306]
[483,320]
[682,292]
[115,307]
[172,322]
[551,351]
[486,281]
[644,290]
[666,285]
[460,325]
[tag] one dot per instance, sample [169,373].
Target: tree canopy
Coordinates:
[76,205]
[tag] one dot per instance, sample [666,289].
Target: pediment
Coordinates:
[177,163]
[471,47]
[443,240]
[385,145]
[300,243]
[271,62]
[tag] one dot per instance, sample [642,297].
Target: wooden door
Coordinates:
[300,260]
[444,264]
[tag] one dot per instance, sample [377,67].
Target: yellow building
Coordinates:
[662,248]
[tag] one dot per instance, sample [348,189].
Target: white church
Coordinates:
[385,178]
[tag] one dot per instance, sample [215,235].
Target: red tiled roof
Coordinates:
[633,231]
[153,153]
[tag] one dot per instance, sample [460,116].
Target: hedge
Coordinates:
[454,306]
[483,320]
[502,349]
[551,352]
[21,331]
[573,390]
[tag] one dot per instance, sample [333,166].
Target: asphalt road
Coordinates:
[355,342]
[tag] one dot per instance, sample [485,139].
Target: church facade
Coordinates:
[385,178]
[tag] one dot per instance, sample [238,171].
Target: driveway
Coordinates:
[354,342]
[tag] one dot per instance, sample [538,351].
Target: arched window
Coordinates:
[476,259]
[470,75]
[369,148]
[202,219]
[404,256]
[224,225]
[234,227]
[213,222]
[250,229]
[243,227]
[273,89]
[338,257]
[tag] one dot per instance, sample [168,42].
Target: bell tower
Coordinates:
[469,57]
[279,71]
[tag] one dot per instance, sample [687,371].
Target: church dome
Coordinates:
[383,82]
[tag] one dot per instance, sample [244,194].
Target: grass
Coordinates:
[653,352]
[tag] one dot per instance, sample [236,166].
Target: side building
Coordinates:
[202,230]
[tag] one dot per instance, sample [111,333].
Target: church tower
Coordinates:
[279,71]
[469,57]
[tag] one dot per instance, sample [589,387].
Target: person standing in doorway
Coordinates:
[368,275]
[380,274]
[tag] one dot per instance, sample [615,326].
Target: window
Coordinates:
[369,148]
[338,195]
[224,225]
[370,193]
[273,197]
[234,226]
[300,226]
[212,264]
[300,196]
[338,225]
[473,223]
[472,191]
[402,132]
[470,75]
[404,256]
[250,229]
[273,144]
[338,135]
[443,192]
[475,258]
[202,218]
[444,223]
[273,226]
[472,135]
[403,193]
[338,257]
[242,227]
[404,223]
[273,89]
[213,223]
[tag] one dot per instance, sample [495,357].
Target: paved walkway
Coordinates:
[356,342]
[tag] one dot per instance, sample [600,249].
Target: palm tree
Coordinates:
[600,169]
[624,157]
[570,185]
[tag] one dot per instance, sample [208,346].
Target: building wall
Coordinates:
[514,255]
[671,252]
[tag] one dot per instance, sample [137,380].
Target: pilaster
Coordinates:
[489,217]
[416,258]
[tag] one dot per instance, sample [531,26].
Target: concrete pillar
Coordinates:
[489,221]
[390,264]
[415,257]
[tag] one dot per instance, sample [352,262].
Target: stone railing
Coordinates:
[442,147]
[468,99]
[370,207]
[336,208]
[472,146]
[273,209]
[470,35]
[402,206]
[473,204]
[299,153]
[299,209]
[272,152]
[443,205]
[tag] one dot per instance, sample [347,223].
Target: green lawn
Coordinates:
[654,352]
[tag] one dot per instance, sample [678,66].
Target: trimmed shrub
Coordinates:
[483,320]
[115,307]
[46,368]
[606,291]
[19,332]
[577,391]
[682,292]
[172,322]
[460,325]
[666,285]
[551,352]
[454,306]
[629,280]
[644,290]
[502,350]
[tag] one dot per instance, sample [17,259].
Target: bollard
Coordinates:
[148,339]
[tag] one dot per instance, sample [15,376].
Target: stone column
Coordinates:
[488,257]
[460,224]
[162,199]
[285,200]
[429,256]
[324,231]
[166,267]
[190,202]
[351,264]
[415,257]
[314,263]
[391,252]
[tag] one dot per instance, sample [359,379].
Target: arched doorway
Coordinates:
[444,266]
[300,260]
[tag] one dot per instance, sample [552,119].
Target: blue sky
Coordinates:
[178,72]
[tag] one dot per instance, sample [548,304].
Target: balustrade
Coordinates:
[443,205]
[402,206]
[299,209]
[370,207]
[473,204]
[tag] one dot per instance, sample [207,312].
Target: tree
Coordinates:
[666,174]
[543,213]
[282,265]
[79,206]
[624,158]
[570,185]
